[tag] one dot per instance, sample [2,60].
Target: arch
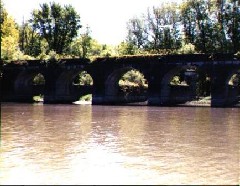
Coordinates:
[25,80]
[112,87]
[233,86]
[38,85]
[111,84]
[82,86]
[184,91]
[231,74]
[223,93]
[25,88]
[64,81]
[66,89]
[165,88]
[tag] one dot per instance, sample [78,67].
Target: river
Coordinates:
[86,144]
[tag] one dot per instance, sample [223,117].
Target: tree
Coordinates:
[197,24]
[86,42]
[188,19]
[221,25]
[1,22]
[163,27]
[133,81]
[29,41]
[212,25]
[58,25]
[232,17]
[127,48]
[157,31]
[9,36]
[137,33]
[87,47]
[84,46]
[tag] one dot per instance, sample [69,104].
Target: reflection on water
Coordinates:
[84,144]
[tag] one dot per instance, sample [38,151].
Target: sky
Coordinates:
[107,19]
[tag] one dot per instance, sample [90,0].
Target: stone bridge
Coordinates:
[158,70]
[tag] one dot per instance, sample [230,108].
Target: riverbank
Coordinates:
[202,102]
[82,102]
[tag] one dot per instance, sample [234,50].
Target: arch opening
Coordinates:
[82,87]
[127,86]
[38,87]
[234,80]
[233,83]
[188,85]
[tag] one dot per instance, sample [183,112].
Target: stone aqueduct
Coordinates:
[106,72]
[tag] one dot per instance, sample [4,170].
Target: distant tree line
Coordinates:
[202,26]
[53,30]
[193,26]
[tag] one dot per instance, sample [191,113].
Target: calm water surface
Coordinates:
[84,144]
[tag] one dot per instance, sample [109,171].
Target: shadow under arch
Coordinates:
[185,89]
[67,90]
[232,84]
[28,85]
[113,92]
[234,75]
[225,93]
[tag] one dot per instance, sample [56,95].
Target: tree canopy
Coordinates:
[193,26]
[9,36]
[208,25]
[56,24]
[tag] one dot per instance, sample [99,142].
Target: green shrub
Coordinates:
[87,97]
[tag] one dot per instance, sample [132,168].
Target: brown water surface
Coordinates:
[85,144]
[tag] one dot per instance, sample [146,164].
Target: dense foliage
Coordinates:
[207,26]
[57,25]
[193,26]
[9,36]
